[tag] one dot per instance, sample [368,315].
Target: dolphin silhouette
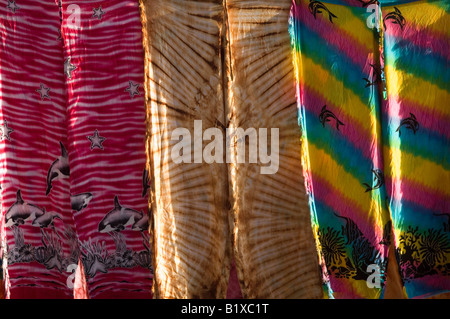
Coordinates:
[410,123]
[20,212]
[396,17]
[80,201]
[141,224]
[46,220]
[60,167]
[119,218]
[378,178]
[317,7]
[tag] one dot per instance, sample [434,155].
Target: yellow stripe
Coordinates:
[424,15]
[317,78]
[420,170]
[414,89]
[331,171]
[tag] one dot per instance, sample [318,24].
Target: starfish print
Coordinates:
[133,89]
[98,13]
[69,68]
[96,140]
[5,131]
[12,6]
[43,91]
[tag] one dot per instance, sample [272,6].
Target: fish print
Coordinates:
[395,17]
[145,182]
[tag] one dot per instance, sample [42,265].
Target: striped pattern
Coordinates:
[417,56]
[184,70]
[31,55]
[344,65]
[342,153]
[275,250]
[105,94]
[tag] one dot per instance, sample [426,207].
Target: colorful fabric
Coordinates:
[375,140]
[417,141]
[74,181]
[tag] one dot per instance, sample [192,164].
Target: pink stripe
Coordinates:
[353,131]
[431,119]
[333,35]
[345,207]
[423,38]
[421,195]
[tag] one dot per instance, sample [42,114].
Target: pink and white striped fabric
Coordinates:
[73,164]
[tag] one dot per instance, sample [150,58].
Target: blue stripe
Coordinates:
[418,61]
[339,148]
[412,214]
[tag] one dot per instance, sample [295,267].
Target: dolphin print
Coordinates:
[410,123]
[118,218]
[46,220]
[396,17]
[317,7]
[80,201]
[20,212]
[378,178]
[141,224]
[59,168]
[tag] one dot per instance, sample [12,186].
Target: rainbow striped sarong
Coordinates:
[373,95]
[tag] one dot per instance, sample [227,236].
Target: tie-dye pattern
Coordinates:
[351,139]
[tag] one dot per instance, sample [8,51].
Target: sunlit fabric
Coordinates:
[74,181]
[375,140]
[416,135]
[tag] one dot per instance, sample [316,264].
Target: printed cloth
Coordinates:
[74,181]
[373,82]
